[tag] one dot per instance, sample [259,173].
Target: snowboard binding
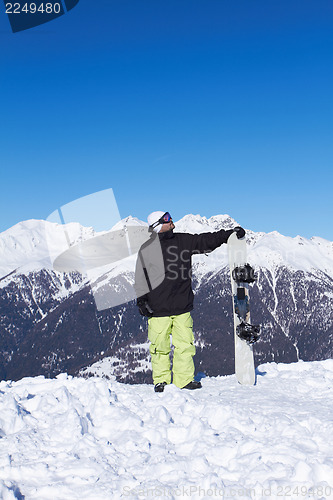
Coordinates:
[247,332]
[244,274]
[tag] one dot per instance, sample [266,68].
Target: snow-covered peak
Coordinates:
[22,243]
[129,221]
[268,250]
[273,249]
[34,244]
[30,245]
[198,224]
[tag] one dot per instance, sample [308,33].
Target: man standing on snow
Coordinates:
[164,294]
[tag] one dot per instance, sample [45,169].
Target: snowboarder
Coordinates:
[164,295]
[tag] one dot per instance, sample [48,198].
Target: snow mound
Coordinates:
[96,439]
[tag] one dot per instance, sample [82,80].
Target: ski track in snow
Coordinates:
[75,438]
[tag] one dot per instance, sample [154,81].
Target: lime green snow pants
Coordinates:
[181,329]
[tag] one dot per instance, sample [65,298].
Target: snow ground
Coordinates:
[75,438]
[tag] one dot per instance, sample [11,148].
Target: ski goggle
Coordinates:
[162,220]
[165,218]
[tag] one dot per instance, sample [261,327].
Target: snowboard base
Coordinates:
[245,334]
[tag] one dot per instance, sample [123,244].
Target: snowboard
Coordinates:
[245,334]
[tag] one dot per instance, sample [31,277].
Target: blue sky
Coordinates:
[203,107]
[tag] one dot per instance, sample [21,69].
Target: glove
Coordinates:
[240,232]
[144,308]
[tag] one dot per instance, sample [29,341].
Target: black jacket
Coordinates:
[163,270]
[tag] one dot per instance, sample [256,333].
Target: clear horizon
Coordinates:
[193,108]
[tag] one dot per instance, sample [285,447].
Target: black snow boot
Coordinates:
[160,387]
[193,385]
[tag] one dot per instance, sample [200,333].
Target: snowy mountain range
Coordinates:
[49,321]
